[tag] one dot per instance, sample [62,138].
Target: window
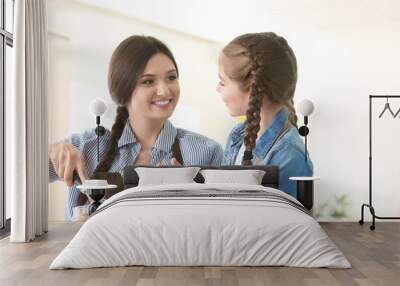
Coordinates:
[6,44]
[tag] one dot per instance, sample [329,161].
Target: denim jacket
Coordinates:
[287,153]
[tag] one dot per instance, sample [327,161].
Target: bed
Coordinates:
[201,224]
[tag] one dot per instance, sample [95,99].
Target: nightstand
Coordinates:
[305,190]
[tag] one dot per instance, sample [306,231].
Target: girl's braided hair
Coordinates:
[265,65]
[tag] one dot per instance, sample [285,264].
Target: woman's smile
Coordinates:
[162,103]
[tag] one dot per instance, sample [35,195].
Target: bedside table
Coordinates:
[305,190]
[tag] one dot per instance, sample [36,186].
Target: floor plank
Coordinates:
[374,255]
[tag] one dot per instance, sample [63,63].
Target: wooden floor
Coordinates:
[374,255]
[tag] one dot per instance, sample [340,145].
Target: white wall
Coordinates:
[59,111]
[222,20]
[346,50]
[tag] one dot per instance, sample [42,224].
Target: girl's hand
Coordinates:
[66,159]
[175,162]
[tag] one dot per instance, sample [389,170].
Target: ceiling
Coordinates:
[221,20]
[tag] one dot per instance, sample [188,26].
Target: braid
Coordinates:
[253,111]
[252,124]
[264,65]
[292,112]
[116,132]
[289,104]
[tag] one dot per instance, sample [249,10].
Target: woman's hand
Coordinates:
[66,159]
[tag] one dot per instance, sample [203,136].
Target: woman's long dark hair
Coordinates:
[127,64]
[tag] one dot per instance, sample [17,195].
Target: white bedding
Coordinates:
[268,228]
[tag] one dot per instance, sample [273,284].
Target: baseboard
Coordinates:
[5,231]
[328,219]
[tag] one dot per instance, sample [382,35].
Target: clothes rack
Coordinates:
[370,205]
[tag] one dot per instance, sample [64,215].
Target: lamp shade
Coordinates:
[306,107]
[97,107]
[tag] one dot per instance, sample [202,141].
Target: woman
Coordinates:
[258,74]
[143,81]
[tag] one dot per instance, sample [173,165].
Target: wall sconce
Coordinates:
[98,107]
[305,107]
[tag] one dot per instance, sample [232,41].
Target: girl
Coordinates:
[258,74]
[143,81]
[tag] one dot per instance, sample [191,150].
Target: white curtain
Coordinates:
[29,155]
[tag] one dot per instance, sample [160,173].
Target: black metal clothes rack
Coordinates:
[369,205]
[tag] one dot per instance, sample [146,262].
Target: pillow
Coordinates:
[270,179]
[163,176]
[248,177]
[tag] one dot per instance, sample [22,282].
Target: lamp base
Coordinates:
[303,130]
[100,130]
[96,195]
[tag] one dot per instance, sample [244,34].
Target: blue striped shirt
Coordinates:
[196,149]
